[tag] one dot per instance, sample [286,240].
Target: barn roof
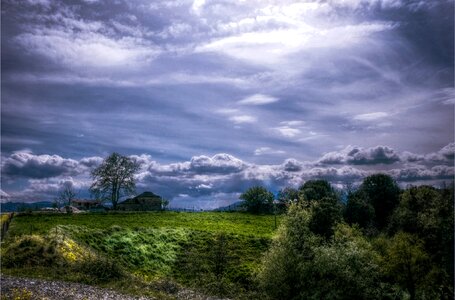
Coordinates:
[148,195]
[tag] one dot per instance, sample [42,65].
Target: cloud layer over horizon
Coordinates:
[221,178]
[250,84]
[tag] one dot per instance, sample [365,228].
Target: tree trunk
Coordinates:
[113,197]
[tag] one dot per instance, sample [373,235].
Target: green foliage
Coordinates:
[300,265]
[258,199]
[217,253]
[407,262]
[149,251]
[221,263]
[59,253]
[428,213]
[280,274]
[346,268]
[314,190]
[381,192]
[232,222]
[326,214]
[286,196]
[30,250]
[99,270]
[359,211]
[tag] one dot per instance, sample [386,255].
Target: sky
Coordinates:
[213,97]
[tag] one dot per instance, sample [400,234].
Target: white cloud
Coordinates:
[371,116]
[293,123]
[197,6]
[267,151]
[361,156]
[258,99]
[66,38]
[227,111]
[241,119]
[204,176]
[91,50]
[288,131]
[4,196]
[271,46]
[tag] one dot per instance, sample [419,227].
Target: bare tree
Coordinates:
[66,194]
[114,178]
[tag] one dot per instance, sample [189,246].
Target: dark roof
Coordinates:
[84,201]
[148,195]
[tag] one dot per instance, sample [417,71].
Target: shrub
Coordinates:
[300,265]
[98,270]
[30,250]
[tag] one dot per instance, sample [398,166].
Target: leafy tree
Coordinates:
[407,262]
[300,265]
[114,177]
[428,213]
[66,194]
[358,210]
[314,190]
[257,199]
[286,196]
[382,192]
[326,214]
[280,276]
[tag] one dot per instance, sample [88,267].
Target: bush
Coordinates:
[31,250]
[99,270]
[300,265]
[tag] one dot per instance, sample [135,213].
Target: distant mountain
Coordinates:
[17,206]
[236,206]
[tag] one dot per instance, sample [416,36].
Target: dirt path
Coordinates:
[34,289]
[11,287]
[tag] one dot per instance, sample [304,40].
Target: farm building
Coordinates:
[144,201]
[85,204]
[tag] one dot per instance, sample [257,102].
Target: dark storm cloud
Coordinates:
[25,164]
[360,156]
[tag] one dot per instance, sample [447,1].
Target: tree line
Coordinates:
[381,242]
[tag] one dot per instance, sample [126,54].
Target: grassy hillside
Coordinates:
[151,253]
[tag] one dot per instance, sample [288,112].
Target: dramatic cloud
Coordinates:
[27,165]
[360,156]
[208,182]
[250,84]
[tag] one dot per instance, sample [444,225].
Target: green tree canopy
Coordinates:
[257,199]
[326,214]
[358,210]
[286,196]
[407,263]
[382,192]
[301,265]
[428,213]
[314,190]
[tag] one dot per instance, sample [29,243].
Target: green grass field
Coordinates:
[146,253]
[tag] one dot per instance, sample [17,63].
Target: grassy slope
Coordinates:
[215,252]
[233,223]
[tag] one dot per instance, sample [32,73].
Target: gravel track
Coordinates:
[44,289]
